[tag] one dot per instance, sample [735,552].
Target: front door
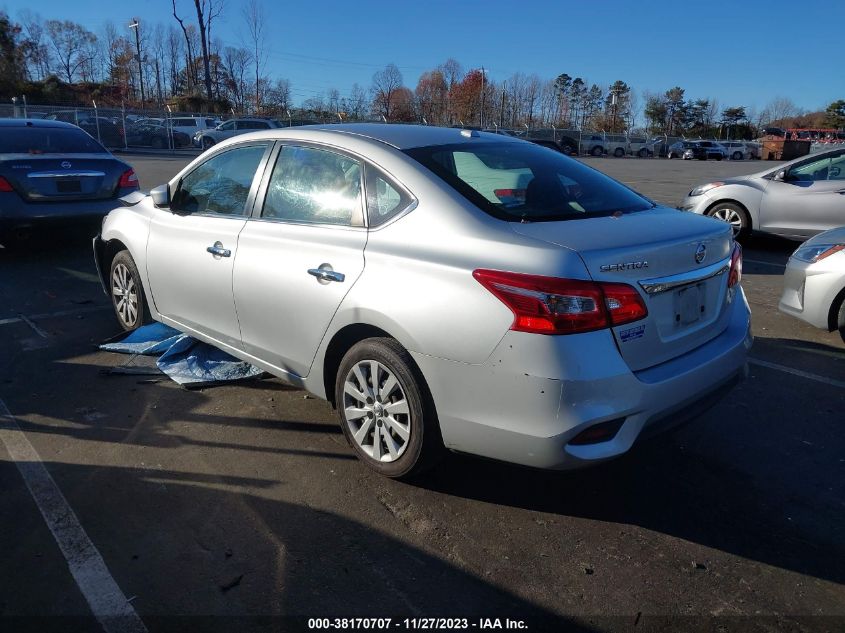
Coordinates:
[193,245]
[811,199]
[299,256]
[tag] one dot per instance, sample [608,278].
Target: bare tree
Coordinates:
[235,62]
[253,14]
[201,7]
[385,84]
[39,54]
[189,52]
[779,109]
[71,43]
[357,102]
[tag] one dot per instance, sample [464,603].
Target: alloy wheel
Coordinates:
[376,411]
[731,216]
[124,295]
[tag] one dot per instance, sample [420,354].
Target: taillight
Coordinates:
[128,179]
[735,275]
[4,185]
[549,305]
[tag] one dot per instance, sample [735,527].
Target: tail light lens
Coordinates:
[4,185]
[735,275]
[128,179]
[549,305]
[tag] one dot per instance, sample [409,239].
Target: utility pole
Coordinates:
[481,115]
[137,26]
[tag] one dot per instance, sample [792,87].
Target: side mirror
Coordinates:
[780,176]
[161,196]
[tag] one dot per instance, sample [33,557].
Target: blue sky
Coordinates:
[741,53]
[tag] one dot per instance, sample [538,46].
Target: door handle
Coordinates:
[322,274]
[218,251]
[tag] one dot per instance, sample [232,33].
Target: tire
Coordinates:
[597,151]
[127,293]
[737,156]
[840,320]
[734,215]
[718,157]
[207,142]
[157,143]
[409,440]
[643,153]
[619,152]
[670,156]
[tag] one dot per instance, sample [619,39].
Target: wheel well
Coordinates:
[341,343]
[737,203]
[110,249]
[835,306]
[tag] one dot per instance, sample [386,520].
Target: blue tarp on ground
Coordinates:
[184,359]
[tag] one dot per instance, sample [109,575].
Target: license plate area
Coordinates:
[689,305]
[68,186]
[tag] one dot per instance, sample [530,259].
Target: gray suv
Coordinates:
[208,138]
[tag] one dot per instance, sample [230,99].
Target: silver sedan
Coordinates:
[814,282]
[795,200]
[443,288]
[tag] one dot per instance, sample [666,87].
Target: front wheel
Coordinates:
[619,152]
[597,151]
[642,153]
[385,410]
[734,215]
[840,323]
[737,156]
[127,293]
[207,142]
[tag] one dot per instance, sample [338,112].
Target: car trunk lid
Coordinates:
[680,266]
[52,178]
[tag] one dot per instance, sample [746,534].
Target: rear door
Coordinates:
[192,247]
[299,255]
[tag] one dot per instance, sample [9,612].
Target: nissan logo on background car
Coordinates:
[66,164]
[700,253]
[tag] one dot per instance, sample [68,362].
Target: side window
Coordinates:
[314,186]
[229,125]
[221,184]
[815,170]
[837,168]
[385,199]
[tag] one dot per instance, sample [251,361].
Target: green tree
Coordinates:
[13,51]
[675,110]
[834,114]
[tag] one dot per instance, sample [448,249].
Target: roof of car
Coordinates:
[34,123]
[407,136]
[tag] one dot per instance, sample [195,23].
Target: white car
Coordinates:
[736,150]
[190,125]
[814,282]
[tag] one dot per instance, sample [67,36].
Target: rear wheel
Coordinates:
[840,323]
[737,156]
[619,152]
[127,293]
[642,153]
[597,151]
[734,215]
[385,410]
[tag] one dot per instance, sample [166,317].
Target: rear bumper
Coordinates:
[536,393]
[16,213]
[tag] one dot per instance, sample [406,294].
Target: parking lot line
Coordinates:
[52,315]
[107,602]
[797,372]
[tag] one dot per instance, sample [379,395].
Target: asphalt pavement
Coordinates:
[242,508]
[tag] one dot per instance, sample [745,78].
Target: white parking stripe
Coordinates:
[798,372]
[34,327]
[53,315]
[107,602]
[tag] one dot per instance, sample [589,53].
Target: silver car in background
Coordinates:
[814,282]
[795,200]
[443,288]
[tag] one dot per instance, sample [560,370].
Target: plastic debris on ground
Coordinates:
[187,361]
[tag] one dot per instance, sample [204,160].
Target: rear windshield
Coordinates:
[527,182]
[46,140]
